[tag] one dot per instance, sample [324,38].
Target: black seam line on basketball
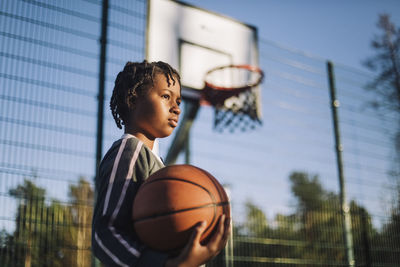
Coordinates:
[185,181]
[183,210]
[205,189]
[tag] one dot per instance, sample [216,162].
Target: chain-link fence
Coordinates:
[283,177]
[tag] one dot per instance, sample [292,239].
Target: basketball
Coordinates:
[171,202]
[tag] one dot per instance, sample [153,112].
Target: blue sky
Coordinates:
[338,30]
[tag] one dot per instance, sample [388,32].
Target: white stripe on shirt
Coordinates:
[109,253]
[121,199]
[135,156]
[127,180]
[113,173]
[123,242]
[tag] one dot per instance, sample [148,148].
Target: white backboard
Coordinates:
[194,40]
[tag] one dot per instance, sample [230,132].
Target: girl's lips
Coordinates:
[173,122]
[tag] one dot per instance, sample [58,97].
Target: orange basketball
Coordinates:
[172,201]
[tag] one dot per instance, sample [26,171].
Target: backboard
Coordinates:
[194,40]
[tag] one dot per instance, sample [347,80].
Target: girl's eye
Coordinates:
[165,96]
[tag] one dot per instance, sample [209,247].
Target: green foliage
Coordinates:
[256,224]
[49,233]
[308,191]
[81,208]
[386,63]
[388,241]
[311,236]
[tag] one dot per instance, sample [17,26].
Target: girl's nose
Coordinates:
[176,109]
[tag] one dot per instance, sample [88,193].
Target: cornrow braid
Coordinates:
[134,81]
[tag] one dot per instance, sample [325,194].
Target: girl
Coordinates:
[146,101]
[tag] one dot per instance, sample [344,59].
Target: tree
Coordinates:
[40,234]
[256,224]
[26,236]
[311,235]
[308,191]
[387,64]
[49,233]
[81,199]
[319,212]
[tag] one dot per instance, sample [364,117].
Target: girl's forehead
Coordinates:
[161,77]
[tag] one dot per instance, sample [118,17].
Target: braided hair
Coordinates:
[134,81]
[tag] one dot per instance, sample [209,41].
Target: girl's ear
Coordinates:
[132,102]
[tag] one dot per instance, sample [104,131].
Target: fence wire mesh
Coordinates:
[282,177]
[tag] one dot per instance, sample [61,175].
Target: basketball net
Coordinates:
[234,93]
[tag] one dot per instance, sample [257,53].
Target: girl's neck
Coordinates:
[142,137]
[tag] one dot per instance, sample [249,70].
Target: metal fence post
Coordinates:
[100,107]
[345,209]
[102,75]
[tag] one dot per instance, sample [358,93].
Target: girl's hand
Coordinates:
[195,254]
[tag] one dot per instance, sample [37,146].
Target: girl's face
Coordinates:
[156,113]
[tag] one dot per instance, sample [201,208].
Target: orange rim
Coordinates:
[244,87]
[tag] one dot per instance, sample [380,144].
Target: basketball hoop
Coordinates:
[233,91]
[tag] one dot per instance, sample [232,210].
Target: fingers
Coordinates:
[194,239]
[221,224]
[228,226]
[198,231]
[194,253]
[226,232]
[220,237]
